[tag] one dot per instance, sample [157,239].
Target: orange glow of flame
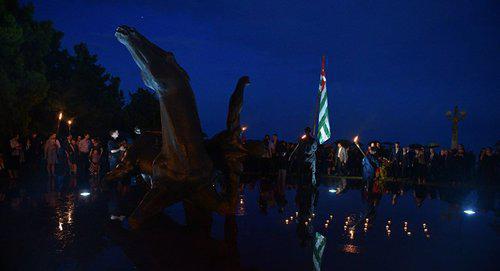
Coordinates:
[60,116]
[303,136]
[356,139]
[244,128]
[69,122]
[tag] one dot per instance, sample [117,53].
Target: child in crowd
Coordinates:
[95,157]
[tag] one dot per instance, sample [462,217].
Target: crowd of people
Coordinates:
[344,158]
[83,156]
[86,156]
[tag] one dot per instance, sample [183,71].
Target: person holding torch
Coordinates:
[369,163]
[305,155]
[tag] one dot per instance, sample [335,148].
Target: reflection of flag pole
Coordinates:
[319,247]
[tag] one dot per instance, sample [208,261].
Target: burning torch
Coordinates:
[356,142]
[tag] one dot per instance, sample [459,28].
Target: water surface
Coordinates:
[48,225]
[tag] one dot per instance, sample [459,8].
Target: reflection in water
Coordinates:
[63,205]
[306,200]
[357,220]
[350,249]
[241,206]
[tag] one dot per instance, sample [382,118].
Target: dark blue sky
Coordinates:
[393,67]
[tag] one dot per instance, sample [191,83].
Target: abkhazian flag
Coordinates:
[319,247]
[323,121]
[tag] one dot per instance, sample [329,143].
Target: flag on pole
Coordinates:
[319,247]
[323,121]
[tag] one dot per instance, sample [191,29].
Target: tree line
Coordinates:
[39,79]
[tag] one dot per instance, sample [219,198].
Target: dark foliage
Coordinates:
[39,79]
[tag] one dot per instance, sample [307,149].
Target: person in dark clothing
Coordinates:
[330,160]
[397,161]
[305,155]
[420,165]
[15,156]
[282,161]
[433,164]
[265,166]
[72,156]
[34,146]
[407,162]
[370,166]
[114,149]
[487,165]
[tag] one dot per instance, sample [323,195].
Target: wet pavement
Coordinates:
[52,224]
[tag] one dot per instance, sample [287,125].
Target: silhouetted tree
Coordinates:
[38,79]
[85,92]
[24,44]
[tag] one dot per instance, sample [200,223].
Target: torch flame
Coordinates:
[69,122]
[356,139]
[303,136]
[244,128]
[60,116]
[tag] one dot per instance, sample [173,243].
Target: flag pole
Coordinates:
[316,111]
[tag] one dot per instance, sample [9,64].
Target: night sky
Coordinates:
[393,67]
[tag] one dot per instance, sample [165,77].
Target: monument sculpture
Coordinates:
[183,170]
[455,117]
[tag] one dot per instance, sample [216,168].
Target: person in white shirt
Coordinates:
[341,159]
